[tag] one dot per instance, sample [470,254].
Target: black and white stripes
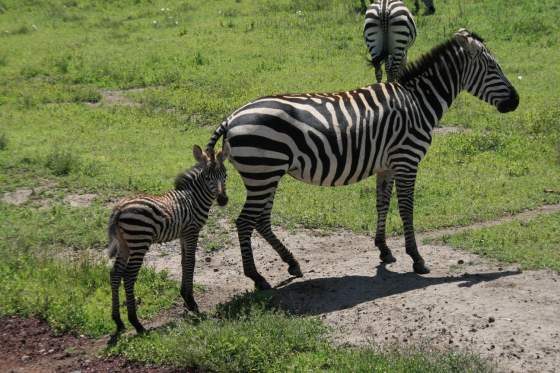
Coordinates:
[389,30]
[138,222]
[340,138]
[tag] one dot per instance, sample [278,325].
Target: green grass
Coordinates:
[534,244]
[251,49]
[250,336]
[43,277]
[198,61]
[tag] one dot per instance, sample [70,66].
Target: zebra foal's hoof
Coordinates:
[420,268]
[387,258]
[295,271]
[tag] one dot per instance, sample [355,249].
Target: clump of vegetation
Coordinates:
[250,335]
[3,141]
[62,162]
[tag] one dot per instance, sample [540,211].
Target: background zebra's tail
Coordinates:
[219,132]
[113,232]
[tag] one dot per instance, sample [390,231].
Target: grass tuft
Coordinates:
[62,162]
[3,141]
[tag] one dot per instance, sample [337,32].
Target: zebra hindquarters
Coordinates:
[261,167]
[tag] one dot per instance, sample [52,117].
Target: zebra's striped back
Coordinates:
[389,30]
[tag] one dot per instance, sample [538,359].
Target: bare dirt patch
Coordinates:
[29,345]
[80,200]
[17,197]
[467,302]
[450,130]
[117,97]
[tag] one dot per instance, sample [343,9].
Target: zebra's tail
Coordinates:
[115,238]
[219,132]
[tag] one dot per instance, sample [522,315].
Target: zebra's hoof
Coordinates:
[295,271]
[420,268]
[387,258]
[191,306]
[262,285]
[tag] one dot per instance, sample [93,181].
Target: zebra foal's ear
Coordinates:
[467,42]
[199,154]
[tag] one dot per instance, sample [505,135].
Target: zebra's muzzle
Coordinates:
[222,199]
[509,104]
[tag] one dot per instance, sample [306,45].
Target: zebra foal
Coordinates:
[333,139]
[138,222]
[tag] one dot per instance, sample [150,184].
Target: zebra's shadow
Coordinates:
[323,295]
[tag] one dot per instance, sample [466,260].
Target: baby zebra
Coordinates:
[180,213]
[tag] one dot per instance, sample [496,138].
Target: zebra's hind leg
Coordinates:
[259,193]
[116,276]
[405,193]
[378,71]
[384,191]
[265,230]
[132,268]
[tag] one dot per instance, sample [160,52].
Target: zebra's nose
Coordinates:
[509,104]
[222,199]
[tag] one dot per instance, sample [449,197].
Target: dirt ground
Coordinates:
[29,345]
[466,303]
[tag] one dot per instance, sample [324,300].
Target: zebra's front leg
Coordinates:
[383,200]
[189,241]
[132,268]
[265,230]
[405,194]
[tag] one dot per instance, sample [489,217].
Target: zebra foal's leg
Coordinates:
[189,241]
[265,230]
[384,191]
[116,276]
[132,268]
[405,193]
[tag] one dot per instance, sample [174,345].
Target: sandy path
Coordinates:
[467,302]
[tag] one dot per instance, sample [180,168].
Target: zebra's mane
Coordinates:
[416,68]
[184,180]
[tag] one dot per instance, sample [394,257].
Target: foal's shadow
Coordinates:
[323,295]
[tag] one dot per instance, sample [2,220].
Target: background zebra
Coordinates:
[340,138]
[430,8]
[138,222]
[389,30]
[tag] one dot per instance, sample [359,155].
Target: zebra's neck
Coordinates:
[435,81]
[193,183]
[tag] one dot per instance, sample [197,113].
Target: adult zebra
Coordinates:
[138,222]
[341,138]
[389,30]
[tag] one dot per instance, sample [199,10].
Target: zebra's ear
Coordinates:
[199,154]
[467,42]
[224,153]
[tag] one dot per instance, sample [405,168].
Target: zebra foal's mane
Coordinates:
[416,68]
[184,180]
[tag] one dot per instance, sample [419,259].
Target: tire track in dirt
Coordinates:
[467,303]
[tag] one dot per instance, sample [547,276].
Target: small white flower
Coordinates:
[176,22]
[299,13]
[154,22]
[167,9]
[34,27]
[162,9]
[519,77]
